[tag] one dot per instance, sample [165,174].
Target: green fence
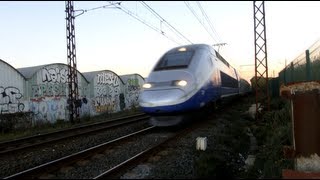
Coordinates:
[273,85]
[306,67]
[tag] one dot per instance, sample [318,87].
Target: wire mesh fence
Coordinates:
[305,67]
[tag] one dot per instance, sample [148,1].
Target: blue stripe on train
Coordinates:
[212,93]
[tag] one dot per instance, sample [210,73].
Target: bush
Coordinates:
[273,132]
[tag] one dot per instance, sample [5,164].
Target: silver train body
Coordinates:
[185,79]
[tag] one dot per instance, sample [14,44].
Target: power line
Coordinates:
[86,10]
[195,15]
[208,20]
[163,20]
[134,15]
[142,21]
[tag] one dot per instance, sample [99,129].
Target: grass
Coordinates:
[272,132]
[231,141]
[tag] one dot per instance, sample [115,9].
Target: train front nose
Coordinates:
[158,101]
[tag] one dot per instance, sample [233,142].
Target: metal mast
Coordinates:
[73,101]
[261,63]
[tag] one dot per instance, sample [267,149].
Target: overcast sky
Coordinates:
[34,32]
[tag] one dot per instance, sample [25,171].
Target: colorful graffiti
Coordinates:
[43,90]
[46,93]
[107,79]
[49,109]
[52,83]
[10,100]
[132,92]
[85,107]
[106,92]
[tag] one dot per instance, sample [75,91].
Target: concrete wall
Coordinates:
[105,89]
[43,90]
[48,93]
[12,89]
[133,84]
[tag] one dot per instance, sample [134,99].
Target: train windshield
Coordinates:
[174,60]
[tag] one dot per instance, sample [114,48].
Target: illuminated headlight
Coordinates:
[182,49]
[146,85]
[181,83]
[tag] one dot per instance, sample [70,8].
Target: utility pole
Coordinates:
[261,63]
[73,102]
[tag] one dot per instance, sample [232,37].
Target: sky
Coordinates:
[33,33]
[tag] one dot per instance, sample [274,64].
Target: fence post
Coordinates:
[308,65]
[291,72]
[305,112]
[284,75]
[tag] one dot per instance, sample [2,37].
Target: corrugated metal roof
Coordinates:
[29,71]
[125,77]
[90,75]
[12,68]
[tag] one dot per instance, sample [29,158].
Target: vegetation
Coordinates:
[262,81]
[273,132]
[231,144]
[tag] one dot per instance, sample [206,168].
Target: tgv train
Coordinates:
[185,79]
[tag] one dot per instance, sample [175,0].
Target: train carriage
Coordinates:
[185,79]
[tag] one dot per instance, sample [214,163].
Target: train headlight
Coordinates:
[181,83]
[147,85]
[182,49]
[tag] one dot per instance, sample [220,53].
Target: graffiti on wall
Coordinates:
[85,107]
[52,83]
[132,92]
[106,92]
[49,95]
[43,90]
[107,79]
[10,100]
[48,108]
[54,75]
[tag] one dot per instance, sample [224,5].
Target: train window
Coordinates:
[174,60]
[222,59]
[228,81]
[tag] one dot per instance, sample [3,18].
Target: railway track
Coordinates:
[49,167]
[118,162]
[42,139]
[121,168]
[154,140]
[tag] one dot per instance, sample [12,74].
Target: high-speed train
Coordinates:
[185,79]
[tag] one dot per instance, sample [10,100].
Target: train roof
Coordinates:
[192,46]
[198,46]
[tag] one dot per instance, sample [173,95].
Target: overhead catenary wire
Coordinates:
[163,20]
[209,21]
[197,17]
[129,13]
[144,22]
[99,7]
